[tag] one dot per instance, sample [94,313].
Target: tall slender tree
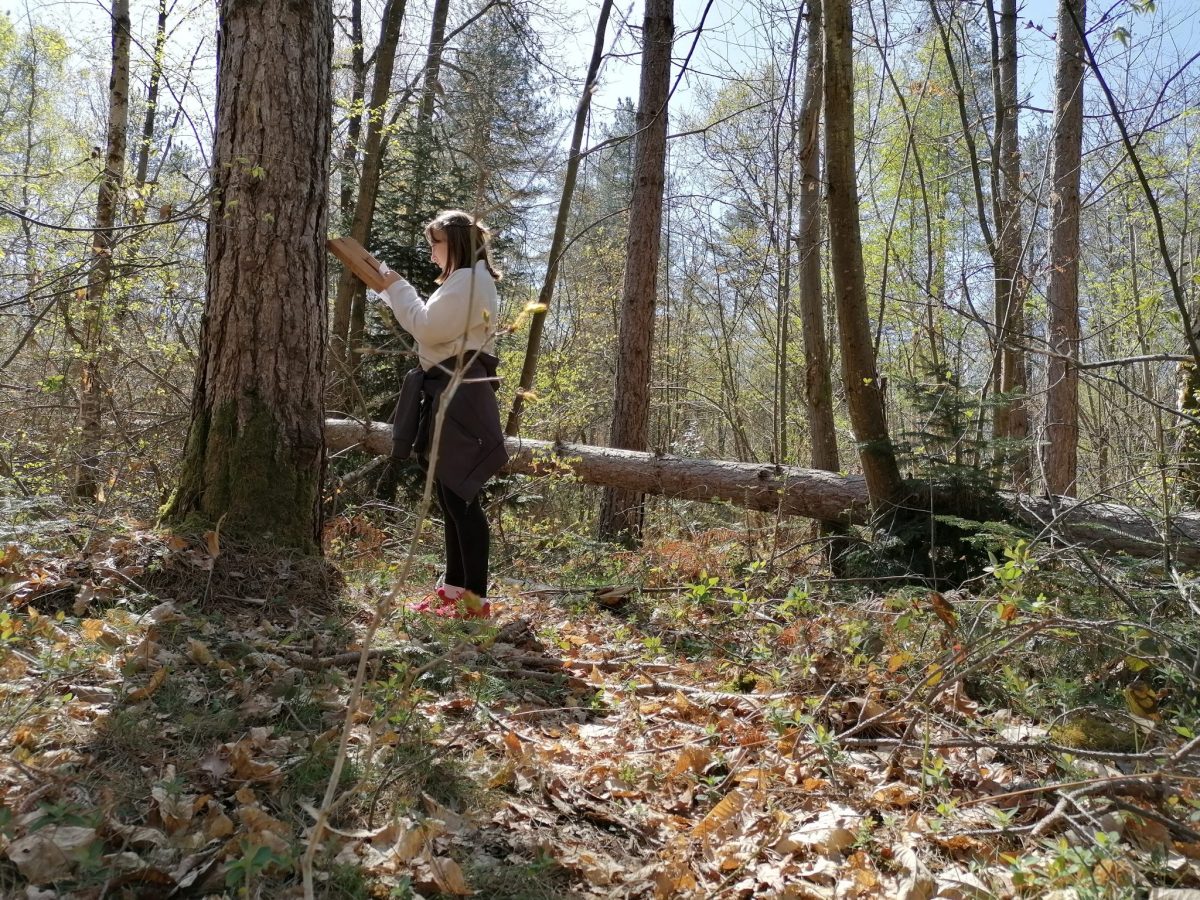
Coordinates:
[1061,452]
[146,144]
[423,137]
[255,451]
[94,336]
[1002,230]
[817,382]
[546,296]
[1012,415]
[621,512]
[350,290]
[354,118]
[864,390]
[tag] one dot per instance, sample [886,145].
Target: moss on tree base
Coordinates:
[244,475]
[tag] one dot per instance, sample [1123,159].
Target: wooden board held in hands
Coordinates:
[364,266]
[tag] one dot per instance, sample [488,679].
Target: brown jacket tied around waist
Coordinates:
[472,442]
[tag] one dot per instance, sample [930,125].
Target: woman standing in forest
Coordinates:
[455,330]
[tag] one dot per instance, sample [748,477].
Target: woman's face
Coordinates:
[439,250]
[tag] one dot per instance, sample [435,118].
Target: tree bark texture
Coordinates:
[433,63]
[621,511]
[817,382]
[546,295]
[1060,454]
[423,151]
[864,391]
[255,452]
[1012,415]
[347,333]
[1188,377]
[156,69]
[358,92]
[91,389]
[794,491]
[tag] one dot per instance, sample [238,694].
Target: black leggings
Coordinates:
[466,541]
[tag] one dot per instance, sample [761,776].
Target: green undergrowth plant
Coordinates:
[942,534]
[1110,661]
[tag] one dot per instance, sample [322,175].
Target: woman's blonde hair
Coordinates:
[467,239]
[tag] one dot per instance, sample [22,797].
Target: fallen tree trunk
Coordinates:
[812,493]
[794,491]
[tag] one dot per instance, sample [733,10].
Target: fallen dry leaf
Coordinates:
[865,880]
[175,810]
[917,883]
[720,815]
[669,879]
[99,632]
[449,876]
[692,758]
[198,652]
[963,845]
[1151,836]
[51,853]
[217,825]
[137,836]
[945,611]
[259,821]
[961,884]
[1116,872]
[598,868]
[896,795]
[13,668]
[155,682]
[858,710]
[164,613]
[513,745]
[411,843]
[832,831]
[246,767]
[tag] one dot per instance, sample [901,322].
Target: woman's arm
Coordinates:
[443,317]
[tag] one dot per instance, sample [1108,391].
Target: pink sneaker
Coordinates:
[430,603]
[467,605]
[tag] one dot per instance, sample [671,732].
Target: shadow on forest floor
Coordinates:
[678,722]
[182,719]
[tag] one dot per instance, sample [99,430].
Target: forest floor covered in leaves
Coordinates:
[713,716]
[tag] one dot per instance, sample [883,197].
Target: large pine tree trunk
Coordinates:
[254,454]
[94,334]
[864,391]
[1060,457]
[817,382]
[621,511]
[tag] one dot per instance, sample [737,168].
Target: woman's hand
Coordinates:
[389,277]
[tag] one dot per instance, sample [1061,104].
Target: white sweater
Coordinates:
[464,305]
